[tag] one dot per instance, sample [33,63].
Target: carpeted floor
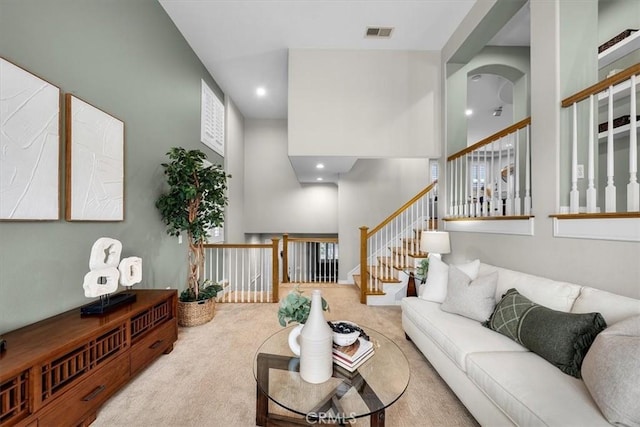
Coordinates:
[208,378]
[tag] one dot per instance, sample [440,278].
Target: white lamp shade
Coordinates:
[435,242]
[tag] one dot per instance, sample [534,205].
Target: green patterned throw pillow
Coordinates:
[563,339]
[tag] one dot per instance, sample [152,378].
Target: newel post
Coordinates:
[364,273]
[285,258]
[274,270]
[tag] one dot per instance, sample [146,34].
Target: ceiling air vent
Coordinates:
[379,32]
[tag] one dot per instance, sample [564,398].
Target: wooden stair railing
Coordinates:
[613,90]
[477,173]
[386,248]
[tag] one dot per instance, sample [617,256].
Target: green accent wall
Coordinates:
[127,58]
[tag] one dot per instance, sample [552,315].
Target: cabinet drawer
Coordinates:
[84,399]
[151,346]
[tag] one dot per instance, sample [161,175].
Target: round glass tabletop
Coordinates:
[372,387]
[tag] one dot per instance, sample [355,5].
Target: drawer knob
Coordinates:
[94,393]
[156,344]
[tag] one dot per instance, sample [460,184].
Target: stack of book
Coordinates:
[350,357]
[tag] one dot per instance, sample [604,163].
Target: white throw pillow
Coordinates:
[470,298]
[435,289]
[611,372]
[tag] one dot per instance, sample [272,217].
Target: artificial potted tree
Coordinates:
[194,204]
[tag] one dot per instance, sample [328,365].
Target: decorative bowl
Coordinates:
[344,332]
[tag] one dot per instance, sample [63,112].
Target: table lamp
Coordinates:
[435,243]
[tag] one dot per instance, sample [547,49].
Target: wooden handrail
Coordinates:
[488,140]
[602,85]
[602,215]
[488,218]
[401,209]
[314,239]
[237,245]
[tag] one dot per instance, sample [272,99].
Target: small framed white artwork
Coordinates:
[29,146]
[211,120]
[95,163]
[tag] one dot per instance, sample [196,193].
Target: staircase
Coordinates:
[391,250]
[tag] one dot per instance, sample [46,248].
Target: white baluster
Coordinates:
[633,189]
[476,161]
[527,175]
[485,200]
[610,190]
[516,174]
[451,185]
[466,187]
[460,187]
[492,198]
[574,195]
[509,202]
[498,206]
[592,194]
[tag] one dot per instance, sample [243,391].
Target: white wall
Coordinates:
[369,193]
[373,103]
[608,265]
[234,165]
[275,202]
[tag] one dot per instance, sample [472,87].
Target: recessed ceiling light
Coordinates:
[261,91]
[318,179]
[468,112]
[319,166]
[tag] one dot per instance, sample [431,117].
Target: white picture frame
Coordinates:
[30,146]
[95,163]
[211,119]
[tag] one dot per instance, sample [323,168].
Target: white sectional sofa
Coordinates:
[501,382]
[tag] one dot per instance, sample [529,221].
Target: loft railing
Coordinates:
[309,259]
[247,272]
[618,131]
[492,178]
[392,244]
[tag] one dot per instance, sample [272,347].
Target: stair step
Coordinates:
[356,280]
[381,275]
[386,260]
[409,252]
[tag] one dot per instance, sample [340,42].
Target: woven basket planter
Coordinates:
[195,313]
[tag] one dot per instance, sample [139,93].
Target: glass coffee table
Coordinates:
[367,391]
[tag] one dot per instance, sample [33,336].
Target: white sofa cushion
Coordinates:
[532,392]
[612,307]
[549,293]
[455,335]
[611,372]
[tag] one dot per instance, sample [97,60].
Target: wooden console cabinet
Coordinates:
[59,371]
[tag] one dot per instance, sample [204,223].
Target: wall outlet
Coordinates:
[580,172]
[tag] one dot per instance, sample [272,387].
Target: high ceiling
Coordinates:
[244,44]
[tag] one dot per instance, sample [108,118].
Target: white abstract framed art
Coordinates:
[95,163]
[29,145]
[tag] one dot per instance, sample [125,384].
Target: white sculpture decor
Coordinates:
[130,271]
[106,271]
